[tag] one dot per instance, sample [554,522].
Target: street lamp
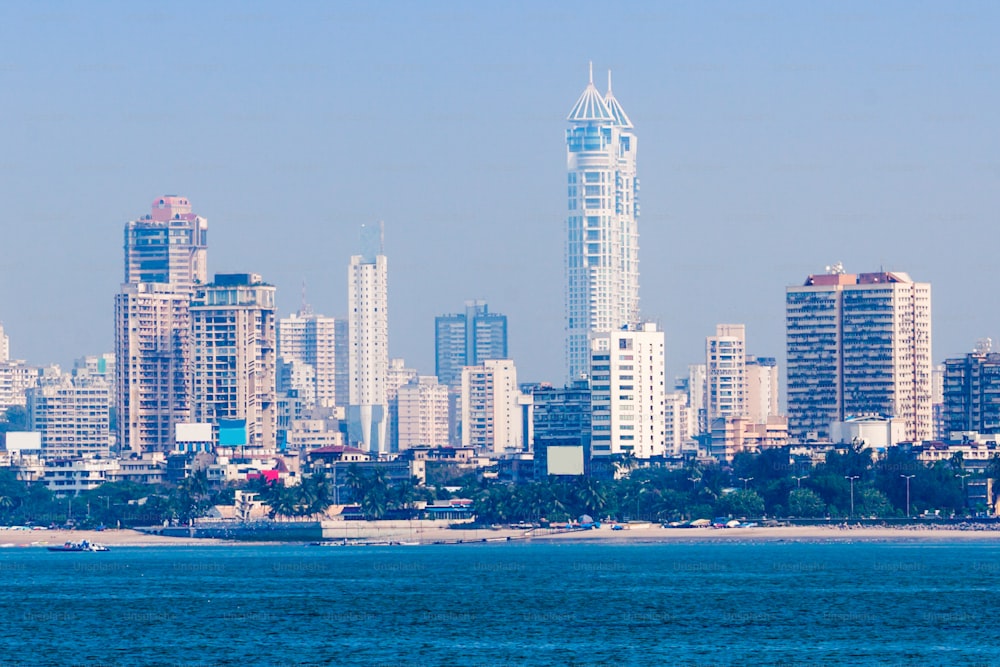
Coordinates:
[852,478]
[745,480]
[907,478]
[965,495]
[798,480]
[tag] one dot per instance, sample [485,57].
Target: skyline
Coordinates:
[789,133]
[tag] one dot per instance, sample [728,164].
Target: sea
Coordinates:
[517,603]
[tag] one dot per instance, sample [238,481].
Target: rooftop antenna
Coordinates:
[835,269]
[305,309]
[591,72]
[609,80]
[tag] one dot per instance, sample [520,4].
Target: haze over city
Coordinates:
[773,140]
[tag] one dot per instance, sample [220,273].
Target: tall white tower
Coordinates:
[602,238]
[368,315]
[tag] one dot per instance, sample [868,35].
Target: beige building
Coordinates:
[491,414]
[73,418]
[732,435]
[153,366]
[235,355]
[423,413]
[761,388]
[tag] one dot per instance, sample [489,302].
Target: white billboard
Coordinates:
[193,432]
[19,441]
[565,460]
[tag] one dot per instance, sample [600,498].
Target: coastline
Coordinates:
[641,533]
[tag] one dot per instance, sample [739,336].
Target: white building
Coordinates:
[627,393]
[320,342]
[4,345]
[235,356]
[368,317]
[398,376]
[16,377]
[491,411]
[725,363]
[676,416]
[73,418]
[602,239]
[423,413]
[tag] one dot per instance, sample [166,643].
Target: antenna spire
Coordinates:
[591,72]
[609,80]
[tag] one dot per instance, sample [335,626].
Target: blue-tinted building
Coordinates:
[467,339]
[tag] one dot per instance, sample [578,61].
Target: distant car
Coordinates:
[617,527]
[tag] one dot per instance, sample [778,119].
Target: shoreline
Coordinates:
[638,534]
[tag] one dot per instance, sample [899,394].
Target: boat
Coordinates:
[78,546]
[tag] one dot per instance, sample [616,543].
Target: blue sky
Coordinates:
[774,139]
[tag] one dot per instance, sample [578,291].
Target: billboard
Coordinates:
[200,432]
[565,460]
[18,441]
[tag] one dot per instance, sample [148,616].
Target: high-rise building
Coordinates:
[602,237]
[858,345]
[627,393]
[467,339]
[697,383]
[561,419]
[422,413]
[235,355]
[368,317]
[761,389]
[972,393]
[725,363]
[152,366]
[72,416]
[491,412]
[676,422]
[170,245]
[320,342]
[166,256]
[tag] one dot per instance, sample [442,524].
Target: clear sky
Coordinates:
[774,139]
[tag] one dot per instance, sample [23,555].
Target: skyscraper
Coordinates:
[423,413]
[368,317]
[467,339]
[602,240]
[170,245]
[235,355]
[152,365]
[165,256]
[858,345]
[4,346]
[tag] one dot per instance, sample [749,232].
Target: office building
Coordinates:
[602,237]
[858,344]
[170,245]
[467,339]
[972,393]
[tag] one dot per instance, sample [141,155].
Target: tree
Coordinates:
[741,504]
[805,503]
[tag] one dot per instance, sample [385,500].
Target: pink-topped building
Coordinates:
[166,258]
[170,245]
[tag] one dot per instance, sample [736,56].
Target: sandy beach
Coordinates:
[642,533]
[44,538]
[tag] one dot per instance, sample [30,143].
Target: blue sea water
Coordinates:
[504,604]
